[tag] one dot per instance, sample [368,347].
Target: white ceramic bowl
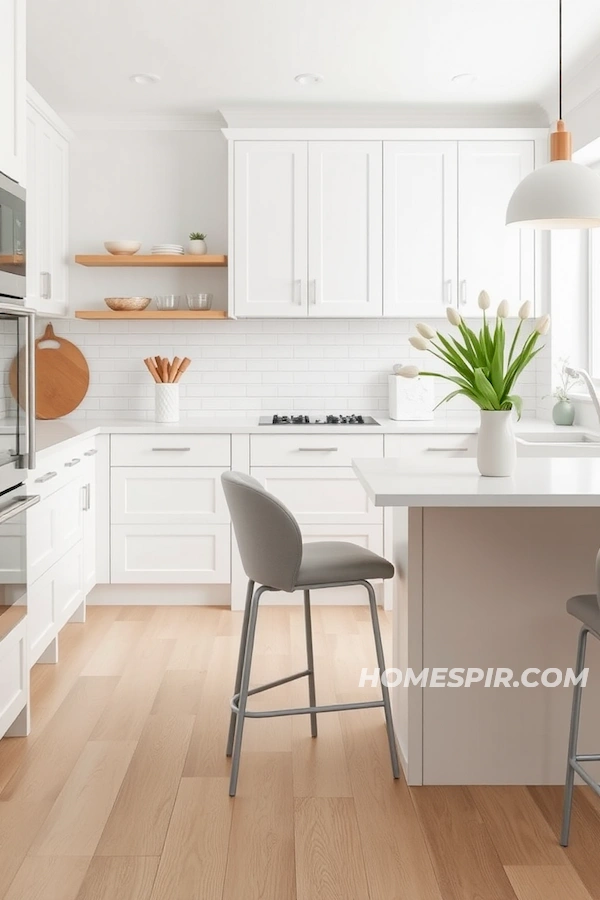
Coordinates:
[127,304]
[122,248]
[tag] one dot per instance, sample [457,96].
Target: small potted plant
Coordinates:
[486,373]
[197,244]
[563,411]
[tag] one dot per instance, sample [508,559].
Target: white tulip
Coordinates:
[483,301]
[525,310]
[409,371]
[418,342]
[453,315]
[503,310]
[542,326]
[425,330]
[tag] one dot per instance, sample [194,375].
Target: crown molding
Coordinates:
[37,102]
[134,122]
[385,116]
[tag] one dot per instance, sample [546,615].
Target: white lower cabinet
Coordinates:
[141,494]
[170,554]
[431,445]
[14,673]
[52,600]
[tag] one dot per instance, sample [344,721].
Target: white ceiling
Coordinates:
[212,54]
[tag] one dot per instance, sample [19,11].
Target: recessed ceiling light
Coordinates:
[144,78]
[308,78]
[464,78]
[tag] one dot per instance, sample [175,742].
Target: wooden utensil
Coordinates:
[174,369]
[151,366]
[184,365]
[62,376]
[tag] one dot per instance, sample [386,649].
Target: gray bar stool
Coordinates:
[586,608]
[274,557]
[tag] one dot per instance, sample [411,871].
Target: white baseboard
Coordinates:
[160,595]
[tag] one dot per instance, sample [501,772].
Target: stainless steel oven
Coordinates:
[12,238]
[13,545]
[17,396]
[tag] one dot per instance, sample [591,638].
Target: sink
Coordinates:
[577,443]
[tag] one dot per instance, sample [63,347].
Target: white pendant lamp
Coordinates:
[561,194]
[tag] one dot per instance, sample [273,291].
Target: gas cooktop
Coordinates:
[317,420]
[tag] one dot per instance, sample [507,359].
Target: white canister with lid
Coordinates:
[410,399]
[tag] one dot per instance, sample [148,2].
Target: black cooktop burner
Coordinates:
[318,420]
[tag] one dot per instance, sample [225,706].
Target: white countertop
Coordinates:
[457,483]
[51,433]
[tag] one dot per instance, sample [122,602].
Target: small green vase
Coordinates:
[563,413]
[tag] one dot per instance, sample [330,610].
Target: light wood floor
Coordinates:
[120,793]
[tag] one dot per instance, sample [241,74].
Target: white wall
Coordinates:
[157,186]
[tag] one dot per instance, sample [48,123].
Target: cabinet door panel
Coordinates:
[419,227]
[143,495]
[41,619]
[320,495]
[12,89]
[270,224]
[492,256]
[14,676]
[68,589]
[345,228]
[170,554]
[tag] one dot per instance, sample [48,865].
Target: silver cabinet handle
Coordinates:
[317,449]
[447,449]
[463,293]
[19,506]
[447,301]
[86,497]
[72,462]
[90,452]
[46,285]
[46,477]
[313,291]
[171,449]
[298,292]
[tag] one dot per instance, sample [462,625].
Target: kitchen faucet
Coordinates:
[585,377]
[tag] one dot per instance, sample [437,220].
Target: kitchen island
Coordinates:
[484,567]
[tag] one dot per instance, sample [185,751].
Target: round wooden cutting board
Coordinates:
[62,376]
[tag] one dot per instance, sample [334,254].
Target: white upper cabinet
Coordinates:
[350,228]
[47,208]
[270,228]
[344,228]
[492,256]
[12,89]
[420,227]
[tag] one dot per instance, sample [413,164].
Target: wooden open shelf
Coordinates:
[173,261]
[151,314]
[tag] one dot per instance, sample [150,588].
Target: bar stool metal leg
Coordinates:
[240,663]
[310,663]
[244,685]
[573,735]
[384,688]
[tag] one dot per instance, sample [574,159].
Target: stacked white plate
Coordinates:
[167,249]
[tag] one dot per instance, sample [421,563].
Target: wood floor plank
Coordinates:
[138,823]
[582,852]
[206,756]
[465,861]
[519,831]
[126,715]
[194,857]
[114,652]
[19,824]
[261,846]
[329,861]
[546,883]
[46,769]
[396,856]
[77,819]
[48,878]
[119,878]
[180,693]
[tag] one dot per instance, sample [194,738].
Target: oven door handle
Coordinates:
[28,452]
[17,507]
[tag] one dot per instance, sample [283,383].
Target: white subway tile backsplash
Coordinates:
[264,365]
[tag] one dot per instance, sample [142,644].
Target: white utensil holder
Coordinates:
[410,399]
[166,403]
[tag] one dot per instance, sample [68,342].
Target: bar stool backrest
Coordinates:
[268,535]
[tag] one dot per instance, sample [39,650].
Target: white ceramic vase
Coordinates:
[197,248]
[166,403]
[496,445]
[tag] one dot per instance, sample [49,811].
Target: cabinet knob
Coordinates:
[90,452]
[46,477]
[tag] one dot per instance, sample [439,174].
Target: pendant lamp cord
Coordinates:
[560,59]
